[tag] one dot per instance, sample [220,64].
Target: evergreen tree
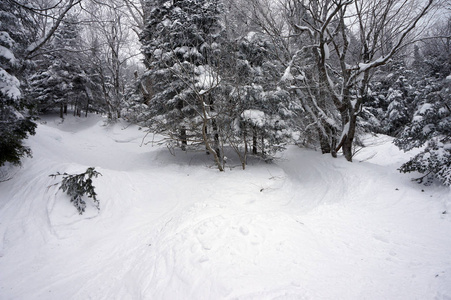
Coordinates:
[399,97]
[180,43]
[60,79]
[15,121]
[437,50]
[395,92]
[430,122]
[77,186]
[430,127]
[262,107]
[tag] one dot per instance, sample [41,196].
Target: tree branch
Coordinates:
[37,45]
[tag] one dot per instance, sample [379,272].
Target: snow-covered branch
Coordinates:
[39,43]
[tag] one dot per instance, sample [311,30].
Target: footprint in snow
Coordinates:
[380,238]
[244,230]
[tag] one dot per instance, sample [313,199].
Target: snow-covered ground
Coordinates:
[173,227]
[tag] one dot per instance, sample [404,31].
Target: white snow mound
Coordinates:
[172,227]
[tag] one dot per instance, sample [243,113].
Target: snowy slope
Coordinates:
[172,227]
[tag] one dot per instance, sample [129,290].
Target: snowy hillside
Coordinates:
[172,227]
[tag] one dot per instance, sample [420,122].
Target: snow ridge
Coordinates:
[305,227]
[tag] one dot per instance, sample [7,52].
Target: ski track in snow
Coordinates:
[172,227]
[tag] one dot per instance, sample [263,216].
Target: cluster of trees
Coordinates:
[56,55]
[255,75]
[207,86]
[86,62]
[248,76]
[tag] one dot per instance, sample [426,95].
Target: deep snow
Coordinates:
[172,227]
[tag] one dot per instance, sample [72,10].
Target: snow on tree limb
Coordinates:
[37,45]
[365,67]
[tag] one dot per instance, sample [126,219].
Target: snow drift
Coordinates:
[172,227]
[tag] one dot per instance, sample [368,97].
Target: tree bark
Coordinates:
[254,140]
[183,138]
[33,48]
[348,139]
[61,110]
[205,119]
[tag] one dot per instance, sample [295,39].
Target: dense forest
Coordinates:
[241,76]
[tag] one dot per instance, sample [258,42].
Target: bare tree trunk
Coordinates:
[214,125]
[183,138]
[183,134]
[244,160]
[216,137]
[206,149]
[205,119]
[348,139]
[324,142]
[88,99]
[254,140]
[61,110]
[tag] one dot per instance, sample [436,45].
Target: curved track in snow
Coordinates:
[305,227]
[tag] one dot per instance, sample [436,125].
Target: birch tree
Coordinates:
[349,40]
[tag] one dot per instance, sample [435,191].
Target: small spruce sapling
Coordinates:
[78,185]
